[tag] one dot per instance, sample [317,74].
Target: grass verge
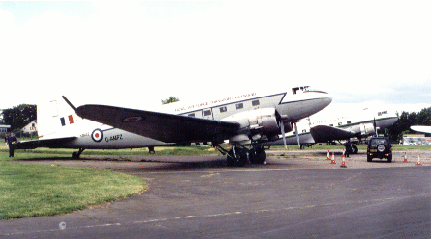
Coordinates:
[39,190]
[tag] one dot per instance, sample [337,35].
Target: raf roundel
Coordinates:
[97,135]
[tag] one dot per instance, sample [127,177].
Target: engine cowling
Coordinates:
[367,129]
[256,123]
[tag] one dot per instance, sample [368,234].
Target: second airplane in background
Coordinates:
[359,125]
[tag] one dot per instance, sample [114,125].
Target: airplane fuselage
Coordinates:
[289,106]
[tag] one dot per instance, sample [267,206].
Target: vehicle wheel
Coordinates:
[369,159]
[354,149]
[390,158]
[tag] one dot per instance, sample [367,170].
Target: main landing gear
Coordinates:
[75,155]
[237,156]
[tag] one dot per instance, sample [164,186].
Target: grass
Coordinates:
[28,190]
[166,150]
[37,190]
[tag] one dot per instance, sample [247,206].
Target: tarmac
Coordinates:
[296,194]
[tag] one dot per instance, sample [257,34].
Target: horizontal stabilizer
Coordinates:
[324,133]
[421,128]
[167,128]
[50,143]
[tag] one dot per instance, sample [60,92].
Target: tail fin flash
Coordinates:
[56,118]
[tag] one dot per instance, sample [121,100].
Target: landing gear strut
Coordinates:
[75,155]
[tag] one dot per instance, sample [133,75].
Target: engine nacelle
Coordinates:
[367,129]
[256,123]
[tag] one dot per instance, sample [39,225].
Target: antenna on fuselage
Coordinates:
[70,103]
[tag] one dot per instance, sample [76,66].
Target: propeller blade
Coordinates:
[283,133]
[297,137]
[375,127]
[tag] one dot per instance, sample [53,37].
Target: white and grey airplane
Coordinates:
[244,119]
[361,124]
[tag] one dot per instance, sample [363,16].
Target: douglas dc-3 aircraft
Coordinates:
[245,120]
[360,125]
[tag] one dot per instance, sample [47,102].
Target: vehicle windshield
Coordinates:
[375,142]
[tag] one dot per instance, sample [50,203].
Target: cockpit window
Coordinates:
[304,89]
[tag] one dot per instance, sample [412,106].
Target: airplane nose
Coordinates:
[308,107]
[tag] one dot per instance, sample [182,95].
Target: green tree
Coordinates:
[19,116]
[170,100]
[424,117]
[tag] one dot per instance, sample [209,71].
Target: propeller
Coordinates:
[375,127]
[283,133]
[296,133]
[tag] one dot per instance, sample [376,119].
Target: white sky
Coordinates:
[135,54]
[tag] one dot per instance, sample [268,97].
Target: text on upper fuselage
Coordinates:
[191,107]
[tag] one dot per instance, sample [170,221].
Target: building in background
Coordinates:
[30,128]
[416,139]
[4,129]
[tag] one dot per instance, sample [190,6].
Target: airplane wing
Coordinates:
[50,143]
[324,133]
[167,128]
[421,128]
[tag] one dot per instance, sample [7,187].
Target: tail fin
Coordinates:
[56,118]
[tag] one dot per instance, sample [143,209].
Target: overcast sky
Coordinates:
[135,54]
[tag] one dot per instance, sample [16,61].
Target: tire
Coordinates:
[354,149]
[390,158]
[239,159]
[369,159]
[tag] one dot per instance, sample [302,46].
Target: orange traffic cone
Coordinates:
[343,164]
[419,160]
[327,155]
[405,157]
[333,160]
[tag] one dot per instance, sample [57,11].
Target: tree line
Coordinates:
[18,116]
[406,120]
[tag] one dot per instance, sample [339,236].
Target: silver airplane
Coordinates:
[245,120]
[360,125]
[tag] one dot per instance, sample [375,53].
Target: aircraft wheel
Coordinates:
[238,159]
[354,149]
[75,155]
[260,156]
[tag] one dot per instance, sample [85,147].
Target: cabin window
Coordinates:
[331,125]
[223,109]
[349,122]
[239,106]
[339,123]
[207,112]
[255,102]
[192,115]
[303,131]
